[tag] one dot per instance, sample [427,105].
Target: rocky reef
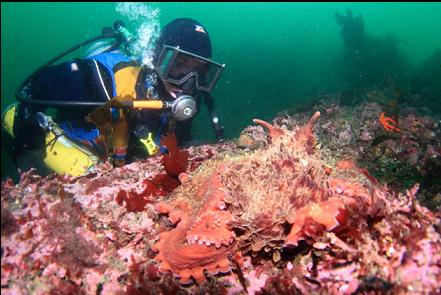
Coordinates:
[280,212]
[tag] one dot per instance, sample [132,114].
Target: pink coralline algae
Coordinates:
[282,219]
[83,235]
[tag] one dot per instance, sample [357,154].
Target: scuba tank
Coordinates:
[100,47]
[123,41]
[63,155]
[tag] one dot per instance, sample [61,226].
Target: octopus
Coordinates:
[265,200]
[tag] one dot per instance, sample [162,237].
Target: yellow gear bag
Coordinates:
[63,156]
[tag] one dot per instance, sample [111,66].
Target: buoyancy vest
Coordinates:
[124,77]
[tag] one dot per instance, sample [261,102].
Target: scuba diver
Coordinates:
[113,105]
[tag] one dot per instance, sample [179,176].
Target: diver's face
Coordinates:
[184,65]
[173,89]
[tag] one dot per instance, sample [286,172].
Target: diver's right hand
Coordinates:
[101,116]
[219,133]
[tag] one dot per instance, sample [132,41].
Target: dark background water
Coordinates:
[277,55]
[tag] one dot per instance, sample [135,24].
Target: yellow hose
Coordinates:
[148,104]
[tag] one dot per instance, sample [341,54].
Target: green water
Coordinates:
[276,54]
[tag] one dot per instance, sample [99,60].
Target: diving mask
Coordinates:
[178,66]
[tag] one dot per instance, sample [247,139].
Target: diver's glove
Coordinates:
[119,101]
[218,130]
[102,116]
[220,134]
[108,117]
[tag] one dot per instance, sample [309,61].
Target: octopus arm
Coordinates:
[190,260]
[328,214]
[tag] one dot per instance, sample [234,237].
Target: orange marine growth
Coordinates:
[388,123]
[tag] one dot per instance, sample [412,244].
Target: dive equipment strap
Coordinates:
[164,119]
[120,153]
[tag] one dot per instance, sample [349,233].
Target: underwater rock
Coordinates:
[252,137]
[347,97]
